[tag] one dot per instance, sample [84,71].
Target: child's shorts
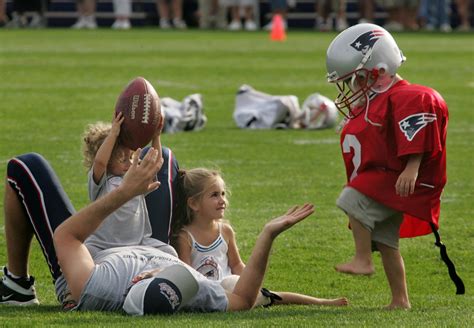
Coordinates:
[382,221]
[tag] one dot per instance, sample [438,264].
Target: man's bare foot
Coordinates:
[356,268]
[398,306]
[337,302]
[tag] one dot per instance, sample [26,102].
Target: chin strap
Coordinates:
[451,269]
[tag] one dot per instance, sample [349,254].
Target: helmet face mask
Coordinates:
[354,89]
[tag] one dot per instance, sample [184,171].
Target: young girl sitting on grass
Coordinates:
[208,244]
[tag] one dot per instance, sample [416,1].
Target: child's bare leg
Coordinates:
[18,234]
[294,298]
[361,263]
[395,271]
[287,298]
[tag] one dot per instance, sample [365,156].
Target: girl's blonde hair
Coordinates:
[93,138]
[191,185]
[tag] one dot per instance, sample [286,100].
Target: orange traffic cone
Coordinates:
[278,32]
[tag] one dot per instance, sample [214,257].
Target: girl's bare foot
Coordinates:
[337,302]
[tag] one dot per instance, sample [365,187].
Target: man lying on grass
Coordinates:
[104,283]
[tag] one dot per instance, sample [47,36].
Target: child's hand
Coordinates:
[141,276]
[116,123]
[405,185]
[159,127]
[145,275]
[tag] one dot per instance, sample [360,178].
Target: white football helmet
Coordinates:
[362,61]
[319,112]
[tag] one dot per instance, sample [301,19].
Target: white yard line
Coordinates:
[315,141]
[175,84]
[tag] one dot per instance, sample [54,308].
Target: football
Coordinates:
[141,109]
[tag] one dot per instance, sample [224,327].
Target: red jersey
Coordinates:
[413,120]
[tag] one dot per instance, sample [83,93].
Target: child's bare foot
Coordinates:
[337,302]
[355,267]
[398,306]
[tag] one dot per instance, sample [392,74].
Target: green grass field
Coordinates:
[54,82]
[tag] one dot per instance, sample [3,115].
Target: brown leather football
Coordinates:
[140,105]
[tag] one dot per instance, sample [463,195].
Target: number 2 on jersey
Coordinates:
[350,141]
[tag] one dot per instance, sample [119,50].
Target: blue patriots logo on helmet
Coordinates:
[366,41]
[413,124]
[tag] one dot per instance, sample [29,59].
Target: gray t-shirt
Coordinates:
[127,226]
[111,279]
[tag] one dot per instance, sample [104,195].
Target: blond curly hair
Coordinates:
[93,137]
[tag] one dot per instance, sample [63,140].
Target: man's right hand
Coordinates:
[140,177]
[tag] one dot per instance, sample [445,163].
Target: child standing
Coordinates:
[394,149]
[208,244]
[108,161]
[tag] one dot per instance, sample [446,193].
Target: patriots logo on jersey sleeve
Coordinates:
[413,124]
[366,41]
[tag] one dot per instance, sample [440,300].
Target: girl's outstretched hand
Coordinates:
[286,221]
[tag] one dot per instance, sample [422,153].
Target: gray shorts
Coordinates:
[382,221]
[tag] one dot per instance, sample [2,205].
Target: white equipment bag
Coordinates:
[258,110]
[187,115]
